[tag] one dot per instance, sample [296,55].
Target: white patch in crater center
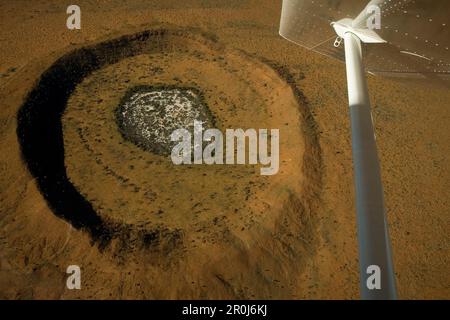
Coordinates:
[150,115]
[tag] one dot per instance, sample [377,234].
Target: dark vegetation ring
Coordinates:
[40,135]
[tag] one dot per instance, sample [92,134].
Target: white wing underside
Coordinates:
[416,34]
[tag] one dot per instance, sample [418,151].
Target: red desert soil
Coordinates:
[287,236]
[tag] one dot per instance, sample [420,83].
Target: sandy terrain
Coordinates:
[219,231]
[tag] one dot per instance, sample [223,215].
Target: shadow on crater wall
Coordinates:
[40,130]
